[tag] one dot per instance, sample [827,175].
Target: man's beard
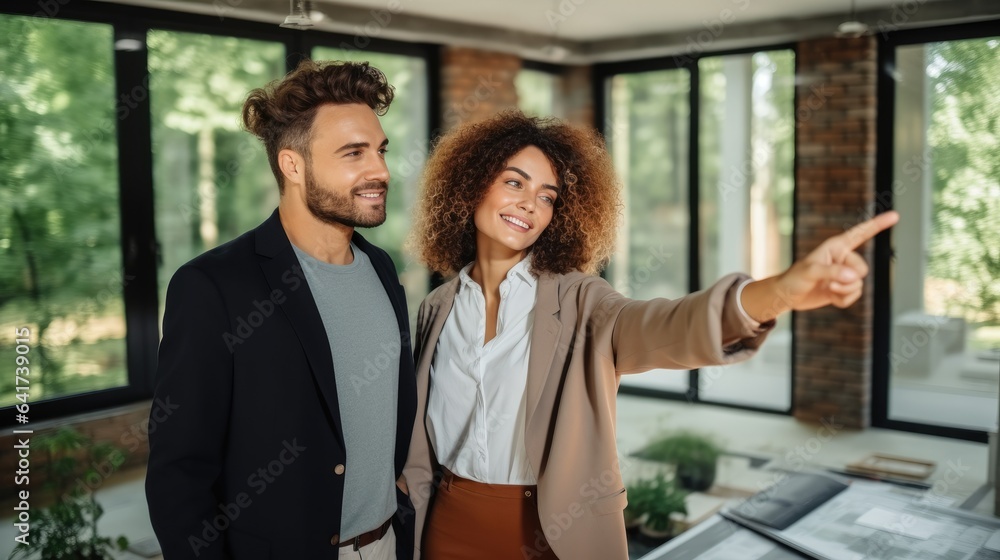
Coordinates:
[334,208]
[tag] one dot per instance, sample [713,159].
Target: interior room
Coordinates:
[743,132]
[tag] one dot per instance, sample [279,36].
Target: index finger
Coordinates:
[859,234]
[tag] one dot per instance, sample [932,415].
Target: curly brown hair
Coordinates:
[281,113]
[464,164]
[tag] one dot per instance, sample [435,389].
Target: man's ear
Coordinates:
[292,166]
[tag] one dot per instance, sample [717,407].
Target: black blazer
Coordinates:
[246,448]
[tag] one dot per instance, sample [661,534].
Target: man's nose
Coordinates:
[379,171]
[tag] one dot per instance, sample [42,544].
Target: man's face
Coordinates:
[346,178]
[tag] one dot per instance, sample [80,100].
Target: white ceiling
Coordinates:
[588,31]
[590,20]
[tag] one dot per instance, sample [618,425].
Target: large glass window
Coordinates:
[406,127]
[648,138]
[538,93]
[746,136]
[60,248]
[945,329]
[211,179]
[745,188]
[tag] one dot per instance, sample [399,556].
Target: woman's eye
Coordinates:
[514,182]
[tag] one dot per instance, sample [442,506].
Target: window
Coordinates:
[211,179]
[538,93]
[648,137]
[944,342]
[682,233]
[746,187]
[60,247]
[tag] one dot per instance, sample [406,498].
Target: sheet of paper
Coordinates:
[904,524]
[993,543]
[875,520]
[932,499]
[720,539]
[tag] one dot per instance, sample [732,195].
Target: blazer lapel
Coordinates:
[437,313]
[283,273]
[545,333]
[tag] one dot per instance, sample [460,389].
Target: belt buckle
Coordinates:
[357,543]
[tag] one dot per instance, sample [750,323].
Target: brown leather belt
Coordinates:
[365,539]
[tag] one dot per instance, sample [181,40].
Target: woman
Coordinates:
[519,356]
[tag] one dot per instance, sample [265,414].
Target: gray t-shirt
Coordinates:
[364,341]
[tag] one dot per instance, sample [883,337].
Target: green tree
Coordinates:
[963,142]
[211,179]
[60,256]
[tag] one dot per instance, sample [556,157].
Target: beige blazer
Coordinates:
[585,336]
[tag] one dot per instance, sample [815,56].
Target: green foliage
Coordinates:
[68,528]
[683,447]
[694,456]
[211,180]
[60,251]
[963,141]
[648,137]
[655,499]
[536,92]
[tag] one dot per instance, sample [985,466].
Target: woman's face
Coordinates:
[518,206]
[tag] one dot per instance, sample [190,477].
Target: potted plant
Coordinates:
[665,504]
[67,529]
[641,494]
[693,455]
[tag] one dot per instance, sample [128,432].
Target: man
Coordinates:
[286,351]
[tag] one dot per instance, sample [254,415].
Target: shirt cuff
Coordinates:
[739,303]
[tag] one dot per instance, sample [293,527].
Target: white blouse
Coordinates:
[475,410]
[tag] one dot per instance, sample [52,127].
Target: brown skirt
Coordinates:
[474,521]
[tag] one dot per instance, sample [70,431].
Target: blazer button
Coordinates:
[335,540]
[339,469]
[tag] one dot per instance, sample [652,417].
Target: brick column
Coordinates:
[475,84]
[835,120]
[577,95]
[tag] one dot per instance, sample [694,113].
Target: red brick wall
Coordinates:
[475,84]
[835,119]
